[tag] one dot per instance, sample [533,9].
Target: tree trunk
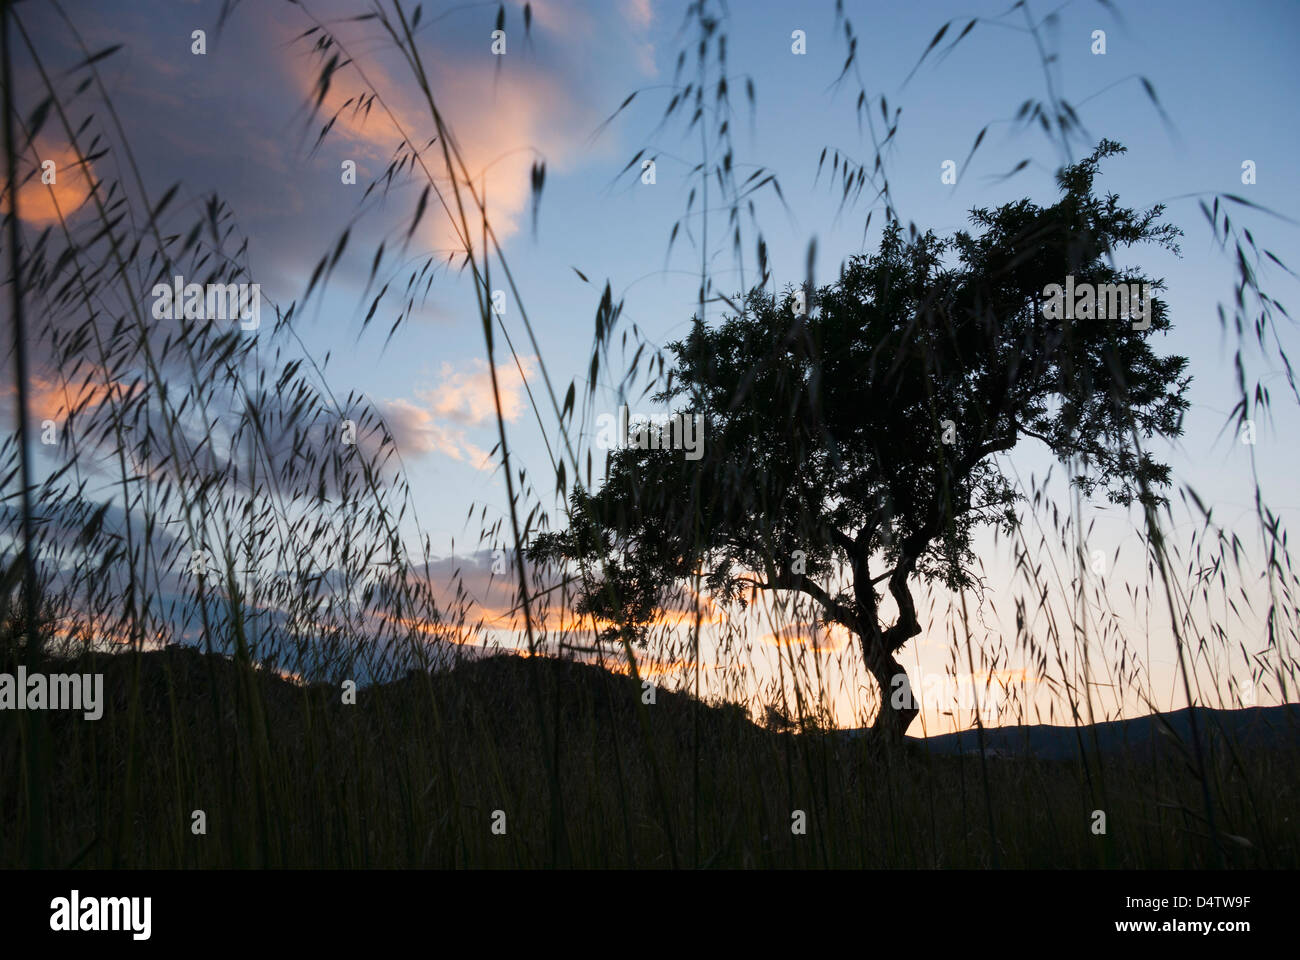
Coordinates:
[898,706]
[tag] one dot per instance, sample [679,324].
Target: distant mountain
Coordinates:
[1249,728]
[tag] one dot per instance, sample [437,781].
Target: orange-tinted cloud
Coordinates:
[649,667]
[54,400]
[462,400]
[416,432]
[818,636]
[465,396]
[457,633]
[41,204]
[503,113]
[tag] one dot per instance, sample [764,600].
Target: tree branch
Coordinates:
[907,626]
[837,611]
[1031,433]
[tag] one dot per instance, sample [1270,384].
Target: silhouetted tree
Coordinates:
[864,436]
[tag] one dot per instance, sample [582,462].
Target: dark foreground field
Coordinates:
[458,770]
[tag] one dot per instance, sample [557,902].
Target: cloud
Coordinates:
[41,204]
[639,13]
[415,431]
[504,114]
[440,418]
[565,17]
[479,595]
[466,396]
[821,637]
[48,399]
[645,58]
[648,666]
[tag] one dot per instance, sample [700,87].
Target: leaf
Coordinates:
[374,305]
[1232,197]
[37,118]
[538,179]
[979,138]
[92,525]
[933,43]
[166,199]
[96,57]
[340,247]
[419,212]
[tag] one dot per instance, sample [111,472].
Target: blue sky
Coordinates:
[235,121]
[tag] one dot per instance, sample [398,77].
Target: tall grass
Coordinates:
[202,493]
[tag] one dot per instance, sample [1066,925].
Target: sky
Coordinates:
[237,120]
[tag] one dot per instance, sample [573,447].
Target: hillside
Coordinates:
[508,761]
[1251,729]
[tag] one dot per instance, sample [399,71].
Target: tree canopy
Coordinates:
[865,433]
